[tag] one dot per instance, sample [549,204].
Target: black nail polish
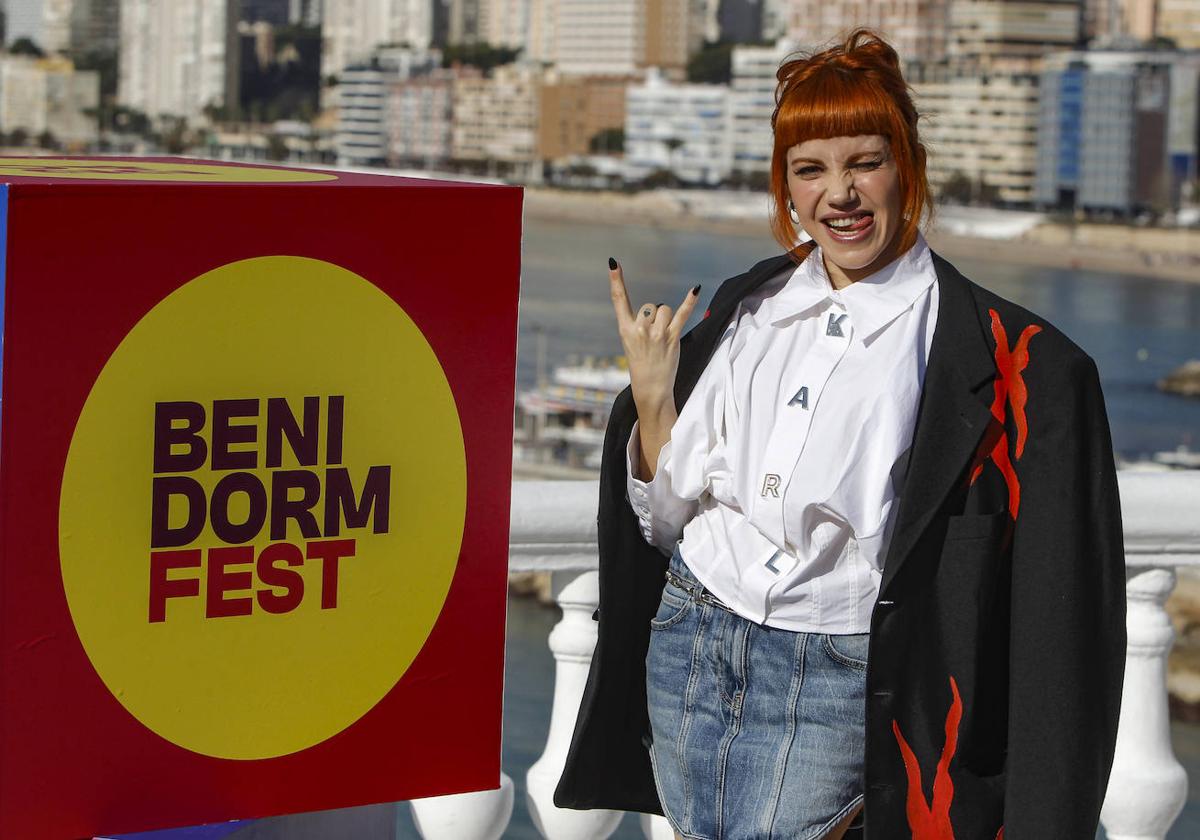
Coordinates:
[696,289]
[612,264]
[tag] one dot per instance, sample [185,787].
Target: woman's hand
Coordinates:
[650,337]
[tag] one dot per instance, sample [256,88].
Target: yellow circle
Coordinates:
[117,169]
[264,684]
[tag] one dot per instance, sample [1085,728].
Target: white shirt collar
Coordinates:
[873,302]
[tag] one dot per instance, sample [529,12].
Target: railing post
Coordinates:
[1148,785]
[465,816]
[572,641]
[655,827]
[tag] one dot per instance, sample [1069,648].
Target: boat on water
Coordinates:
[561,421]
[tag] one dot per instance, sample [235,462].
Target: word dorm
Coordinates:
[246,435]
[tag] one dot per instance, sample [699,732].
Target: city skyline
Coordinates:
[679,90]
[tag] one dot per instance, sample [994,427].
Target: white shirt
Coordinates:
[783,468]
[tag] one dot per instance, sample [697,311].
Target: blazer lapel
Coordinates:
[954,413]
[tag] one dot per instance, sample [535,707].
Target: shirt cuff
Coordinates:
[638,492]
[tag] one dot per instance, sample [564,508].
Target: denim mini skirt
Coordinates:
[757,733]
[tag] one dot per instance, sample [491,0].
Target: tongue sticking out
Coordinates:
[858,224]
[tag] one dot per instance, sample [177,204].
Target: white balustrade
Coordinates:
[553,528]
[1148,786]
[465,816]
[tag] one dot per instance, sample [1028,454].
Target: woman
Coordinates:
[873,562]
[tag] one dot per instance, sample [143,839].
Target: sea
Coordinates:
[1138,329]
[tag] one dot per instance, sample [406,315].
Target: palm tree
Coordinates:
[673,145]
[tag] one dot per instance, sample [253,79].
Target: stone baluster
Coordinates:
[483,815]
[572,640]
[1148,786]
[553,528]
[655,827]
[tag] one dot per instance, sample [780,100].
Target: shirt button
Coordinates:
[639,492]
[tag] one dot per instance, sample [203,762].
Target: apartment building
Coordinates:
[575,109]
[983,128]
[916,28]
[752,102]
[496,120]
[420,114]
[364,125]
[177,59]
[1118,130]
[685,128]
[40,95]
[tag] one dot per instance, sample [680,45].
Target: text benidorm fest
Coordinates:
[255,484]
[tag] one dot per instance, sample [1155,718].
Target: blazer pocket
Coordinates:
[976,526]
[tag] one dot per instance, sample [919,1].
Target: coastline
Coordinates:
[1159,253]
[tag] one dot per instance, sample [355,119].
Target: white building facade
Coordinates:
[364,102]
[916,28]
[753,101]
[46,23]
[496,119]
[983,128]
[600,36]
[174,56]
[48,95]
[351,30]
[684,128]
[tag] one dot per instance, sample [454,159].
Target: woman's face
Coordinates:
[847,195]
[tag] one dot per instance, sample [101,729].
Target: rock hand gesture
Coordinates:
[650,337]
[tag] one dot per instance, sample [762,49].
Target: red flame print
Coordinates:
[931,821]
[1009,388]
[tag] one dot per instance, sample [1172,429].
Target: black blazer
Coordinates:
[998,638]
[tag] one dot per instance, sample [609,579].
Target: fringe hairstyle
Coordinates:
[853,88]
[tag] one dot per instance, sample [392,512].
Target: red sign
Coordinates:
[255,466]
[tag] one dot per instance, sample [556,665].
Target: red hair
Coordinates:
[849,89]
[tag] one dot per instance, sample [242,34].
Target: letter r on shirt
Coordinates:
[770,485]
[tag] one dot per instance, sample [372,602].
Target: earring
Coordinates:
[795,217]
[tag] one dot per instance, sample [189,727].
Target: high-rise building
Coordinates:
[994,35]
[753,101]
[352,29]
[775,19]
[467,21]
[95,26]
[622,37]
[420,116]
[48,95]
[304,12]
[575,109]
[363,91]
[683,128]
[46,23]
[178,59]
[1119,130]
[526,25]
[496,120]
[982,128]
[1179,20]
[916,28]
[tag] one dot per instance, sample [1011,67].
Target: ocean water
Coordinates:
[1138,329]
